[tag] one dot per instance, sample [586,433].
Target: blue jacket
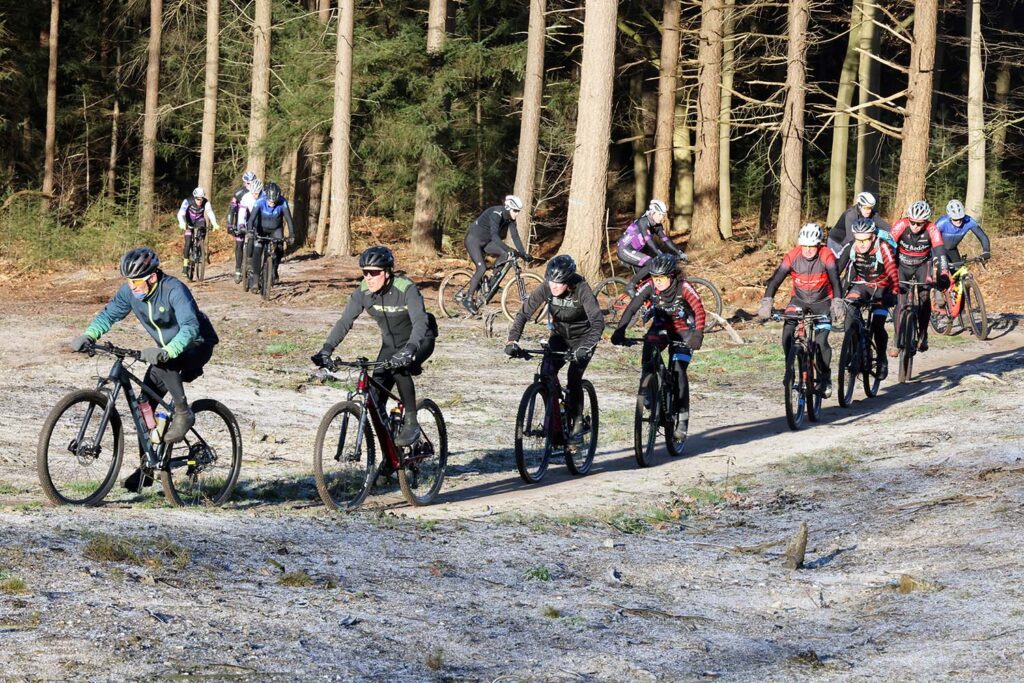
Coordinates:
[266,219]
[951,235]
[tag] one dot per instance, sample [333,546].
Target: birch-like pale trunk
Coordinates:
[791,171]
[339,241]
[210,96]
[529,127]
[974,201]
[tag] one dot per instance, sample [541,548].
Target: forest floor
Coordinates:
[913,500]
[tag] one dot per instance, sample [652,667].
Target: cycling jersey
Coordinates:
[575,315]
[952,234]
[397,308]
[916,248]
[842,233]
[876,268]
[236,201]
[192,216]
[814,280]
[492,226]
[636,246]
[266,220]
[677,308]
[245,205]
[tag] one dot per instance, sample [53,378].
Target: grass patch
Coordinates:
[538,573]
[281,348]
[826,461]
[11,584]
[551,612]
[31,620]
[287,489]
[749,359]
[435,659]
[155,553]
[297,579]
[8,489]
[428,524]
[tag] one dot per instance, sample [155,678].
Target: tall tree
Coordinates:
[210,96]
[725,119]
[147,170]
[837,188]
[791,175]
[1002,95]
[668,68]
[425,235]
[51,100]
[585,221]
[339,241]
[709,103]
[641,127]
[682,169]
[918,109]
[974,201]
[529,128]
[868,77]
[260,88]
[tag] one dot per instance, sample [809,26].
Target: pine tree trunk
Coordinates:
[323,8]
[1002,96]
[917,119]
[682,153]
[791,172]
[585,223]
[51,99]
[669,67]
[325,211]
[725,120]
[709,103]
[639,143]
[147,169]
[260,89]
[340,238]
[425,234]
[868,75]
[313,149]
[210,96]
[975,198]
[111,190]
[529,128]
[837,194]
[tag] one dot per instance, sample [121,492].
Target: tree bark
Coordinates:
[725,120]
[837,194]
[425,234]
[639,143]
[585,222]
[260,88]
[210,96]
[709,103]
[918,109]
[974,201]
[669,67]
[51,99]
[869,76]
[110,190]
[312,150]
[147,169]
[325,210]
[323,9]
[682,153]
[529,127]
[791,173]
[339,241]
[1002,96]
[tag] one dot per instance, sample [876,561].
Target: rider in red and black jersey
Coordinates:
[919,243]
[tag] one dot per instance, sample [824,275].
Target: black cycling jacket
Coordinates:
[576,316]
[398,310]
[492,226]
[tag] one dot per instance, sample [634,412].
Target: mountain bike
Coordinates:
[803,394]
[344,456]
[656,407]
[264,249]
[860,355]
[82,443]
[197,253]
[961,302]
[907,326]
[613,295]
[246,261]
[544,429]
[452,291]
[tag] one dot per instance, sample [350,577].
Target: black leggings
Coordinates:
[924,312]
[402,377]
[476,251]
[170,377]
[574,376]
[880,301]
[655,341]
[820,335]
[198,230]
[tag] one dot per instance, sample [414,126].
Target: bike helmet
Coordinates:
[865,226]
[273,193]
[248,177]
[865,199]
[663,264]
[199,193]
[377,257]
[810,235]
[560,269]
[256,187]
[139,263]
[955,209]
[513,203]
[919,211]
[657,206]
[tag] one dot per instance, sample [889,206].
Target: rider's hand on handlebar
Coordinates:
[512,350]
[985,256]
[82,343]
[942,281]
[401,359]
[765,310]
[696,340]
[154,355]
[619,337]
[582,354]
[838,309]
[321,358]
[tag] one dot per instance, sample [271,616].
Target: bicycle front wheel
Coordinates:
[579,455]
[203,468]
[533,443]
[422,470]
[812,392]
[267,274]
[794,389]
[849,365]
[200,261]
[941,317]
[710,297]
[76,462]
[973,311]
[344,457]
[646,419]
[908,341]
[871,365]
[512,299]
[246,255]
[612,298]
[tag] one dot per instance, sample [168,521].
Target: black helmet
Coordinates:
[139,263]
[560,269]
[273,193]
[377,257]
[663,264]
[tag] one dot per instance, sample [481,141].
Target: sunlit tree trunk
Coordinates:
[425,237]
[639,143]
[837,188]
[791,172]
[51,99]
[110,190]
[260,96]
[669,67]
[682,169]
[529,128]
[339,241]
[1002,96]
[725,124]
[709,103]
[868,76]
[210,96]
[147,169]
[975,198]
[918,109]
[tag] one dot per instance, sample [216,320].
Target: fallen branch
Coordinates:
[34,193]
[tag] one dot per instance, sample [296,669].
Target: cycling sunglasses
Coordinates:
[138,282]
[864,239]
[373,272]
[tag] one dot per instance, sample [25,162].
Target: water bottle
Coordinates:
[158,429]
[396,419]
[147,413]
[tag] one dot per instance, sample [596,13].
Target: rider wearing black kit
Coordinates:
[486,235]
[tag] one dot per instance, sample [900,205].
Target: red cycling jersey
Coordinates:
[814,280]
[915,248]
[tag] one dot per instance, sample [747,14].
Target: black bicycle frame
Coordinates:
[364,394]
[493,283]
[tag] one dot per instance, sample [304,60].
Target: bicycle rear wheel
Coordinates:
[344,457]
[579,455]
[511,301]
[246,255]
[422,470]
[201,261]
[794,388]
[710,297]
[973,311]
[204,467]
[533,443]
[612,298]
[908,341]
[941,318]
[646,419]
[449,294]
[849,365]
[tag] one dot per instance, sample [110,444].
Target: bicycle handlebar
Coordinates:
[527,354]
[109,348]
[781,314]
[361,363]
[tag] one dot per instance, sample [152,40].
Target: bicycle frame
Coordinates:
[553,424]
[492,284]
[956,288]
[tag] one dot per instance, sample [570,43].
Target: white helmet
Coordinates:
[865,199]
[810,235]
[955,209]
[198,193]
[513,203]
[919,211]
[657,206]
[256,187]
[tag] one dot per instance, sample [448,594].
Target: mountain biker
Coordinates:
[954,226]
[184,336]
[816,288]
[236,228]
[407,331]
[873,279]
[192,216]
[486,235]
[841,233]
[678,323]
[245,207]
[576,323]
[920,245]
[636,246]
[268,215]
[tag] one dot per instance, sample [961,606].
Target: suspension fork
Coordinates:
[108,410]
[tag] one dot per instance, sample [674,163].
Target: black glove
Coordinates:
[512,350]
[321,358]
[986,255]
[619,337]
[582,354]
[82,343]
[401,359]
[291,240]
[154,355]
[529,259]
[696,340]
[942,281]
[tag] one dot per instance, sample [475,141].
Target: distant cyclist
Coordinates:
[576,323]
[920,253]
[863,207]
[486,235]
[637,245]
[954,226]
[268,217]
[193,216]
[236,227]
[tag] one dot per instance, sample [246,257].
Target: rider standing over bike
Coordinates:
[863,207]
[954,226]
[678,323]
[184,335]
[816,288]
[268,215]
[236,227]
[407,331]
[576,325]
[486,235]
[636,246]
[919,244]
[193,216]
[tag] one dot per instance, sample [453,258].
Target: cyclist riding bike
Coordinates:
[637,247]
[184,336]
[919,243]
[678,323]
[954,226]
[407,331]
[816,288]
[841,234]
[486,235]
[576,323]
[236,228]
[874,281]
[267,219]
[193,216]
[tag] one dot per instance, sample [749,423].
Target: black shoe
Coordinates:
[470,306]
[238,277]
[922,346]
[682,425]
[137,480]
[883,368]
[579,429]
[182,421]
[826,388]
[409,433]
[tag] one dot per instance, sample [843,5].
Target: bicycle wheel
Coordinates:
[579,455]
[871,365]
[812,393]
[710,297]
[673,417]
[533,444]
[849,365]
[449,294]
[973,310]
[793,385]
[422,470]
[612,298]
[267,273]
[246,255]
[941,319]
[344,457]
[76,463]
[204,467]
[908,341]
[646,419]
[199,261]
[511,301]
